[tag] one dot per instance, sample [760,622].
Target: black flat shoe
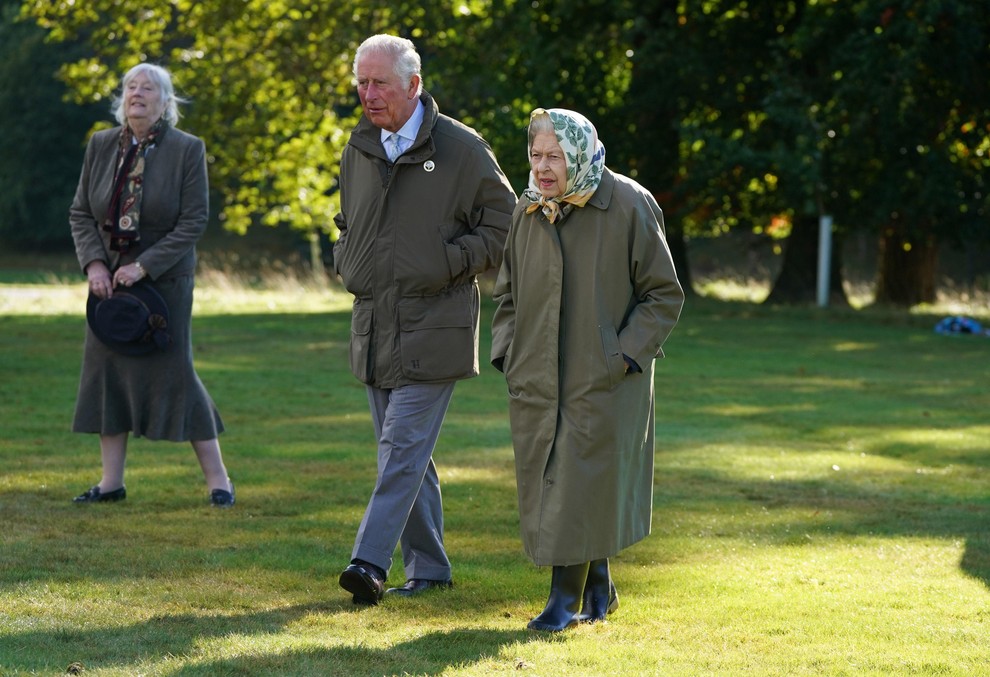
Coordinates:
[94,495]
[221,498]
[362,581]
[415,586]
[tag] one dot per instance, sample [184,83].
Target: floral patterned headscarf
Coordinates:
[585,158]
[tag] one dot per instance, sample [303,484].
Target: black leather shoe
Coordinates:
[94,495]
[221,498]
[362,581]
[414,586]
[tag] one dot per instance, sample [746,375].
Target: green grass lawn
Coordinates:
[822,507]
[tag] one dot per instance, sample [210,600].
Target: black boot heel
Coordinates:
[600,596]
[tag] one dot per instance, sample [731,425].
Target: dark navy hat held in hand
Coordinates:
[134,321]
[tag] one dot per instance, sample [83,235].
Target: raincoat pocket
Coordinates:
[615,364]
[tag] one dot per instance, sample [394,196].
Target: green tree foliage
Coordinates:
[268,86]
[736,114]
[491,63]
[914,78]
[41,144]
[874,111]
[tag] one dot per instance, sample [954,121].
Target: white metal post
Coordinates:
[824,258]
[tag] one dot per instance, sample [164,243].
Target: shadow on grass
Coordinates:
[180,636]
[430,654]
[832,508]
[847,384]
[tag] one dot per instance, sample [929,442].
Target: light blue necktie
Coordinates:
[392,147]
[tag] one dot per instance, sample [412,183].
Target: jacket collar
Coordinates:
[603,196]
[366,137]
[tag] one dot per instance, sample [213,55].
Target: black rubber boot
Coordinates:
[600,597]
[566,591]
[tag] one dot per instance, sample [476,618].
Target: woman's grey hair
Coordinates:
[538,124]
[401,51]
[163,80]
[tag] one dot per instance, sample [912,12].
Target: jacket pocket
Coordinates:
[360,348]
[437,339]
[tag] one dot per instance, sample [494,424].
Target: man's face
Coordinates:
[387,101]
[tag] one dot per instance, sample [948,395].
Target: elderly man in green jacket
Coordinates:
[424,208]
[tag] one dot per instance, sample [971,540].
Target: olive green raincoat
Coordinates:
[575,300]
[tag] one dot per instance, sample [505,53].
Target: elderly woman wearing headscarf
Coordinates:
[587,295]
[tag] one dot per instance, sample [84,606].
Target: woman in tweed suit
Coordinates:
[140,207]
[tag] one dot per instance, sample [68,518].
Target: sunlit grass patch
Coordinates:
[820,507]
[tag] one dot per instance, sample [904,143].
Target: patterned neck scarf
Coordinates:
[124,212]
[585,157]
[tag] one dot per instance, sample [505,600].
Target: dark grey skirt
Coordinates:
[158,396]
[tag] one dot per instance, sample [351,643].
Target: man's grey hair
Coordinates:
[401,51]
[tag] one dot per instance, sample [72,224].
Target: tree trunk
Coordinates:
[797,282]
[316,257]
[678,252]
[907,268]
